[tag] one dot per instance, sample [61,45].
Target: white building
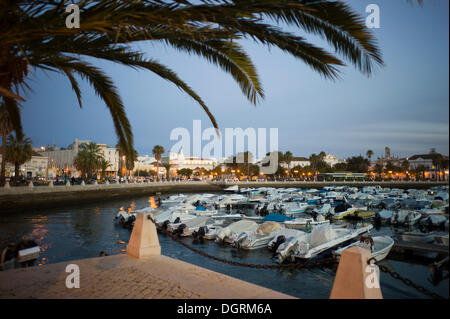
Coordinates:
[35,167]
[331,160]
[60,160]
[179,161]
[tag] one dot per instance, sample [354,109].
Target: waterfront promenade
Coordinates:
[125,277]
[23,198]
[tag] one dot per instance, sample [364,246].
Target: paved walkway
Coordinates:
[124,277]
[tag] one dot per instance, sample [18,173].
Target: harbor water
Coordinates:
[83,231]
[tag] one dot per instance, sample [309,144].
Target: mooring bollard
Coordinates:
[144,240]
[83,183]
[50,184]
[355,278]
[7,185]
[31,184]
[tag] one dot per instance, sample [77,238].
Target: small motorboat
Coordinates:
[417,237]
[324,237]
[258,238]
[406,217]
[226,234]
[301,223]
[442,239]
[380,247]
[342,214]
[212,232]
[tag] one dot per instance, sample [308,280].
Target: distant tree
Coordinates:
[157,151]
[287,158]
[18,152]
[88,160]
[104,165]
[187,172]
[340,167]
[369,154]
[167,166]
[358,164]
[405,165]
[378,169]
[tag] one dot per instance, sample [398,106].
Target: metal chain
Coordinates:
[241,264]
[406,281]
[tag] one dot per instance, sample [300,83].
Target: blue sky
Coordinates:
[404,105]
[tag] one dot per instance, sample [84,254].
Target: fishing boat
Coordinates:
[259,238]
[380,247]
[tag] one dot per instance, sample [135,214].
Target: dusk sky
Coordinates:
[404,105]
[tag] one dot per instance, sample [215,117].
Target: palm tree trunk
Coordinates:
[16,171]
[157,170]
[3,169]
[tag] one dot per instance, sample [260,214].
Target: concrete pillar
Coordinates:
[31,185]
[107,182]
[96,182]
[355,279]
[144,240]
[83,183]
[68,184]
[7,185]
[50,184]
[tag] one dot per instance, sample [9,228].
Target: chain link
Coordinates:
[406,281]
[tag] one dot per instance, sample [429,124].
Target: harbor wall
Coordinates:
[14,199]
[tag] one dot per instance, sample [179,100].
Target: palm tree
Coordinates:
[34,35]
[369,154]
[104,165]
[158,150]
[18,152]
[167,166]
[88,160]
[288,159]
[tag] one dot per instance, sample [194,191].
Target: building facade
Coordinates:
[35,167]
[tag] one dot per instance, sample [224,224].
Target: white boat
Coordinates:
[173,199]
[234,188]
[293,208]
[381,247]
[386,215]
[404,216]
[226,233]
[417,237]
[212,232]
[191,225]
[286,243]
[323,238]
[435,220]
[442,239]
[258,238]
[301,223]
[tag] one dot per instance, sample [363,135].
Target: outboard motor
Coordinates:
[165,224]
[179,230]
[129,223]
[239,239]
[177,220]
[280,239]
